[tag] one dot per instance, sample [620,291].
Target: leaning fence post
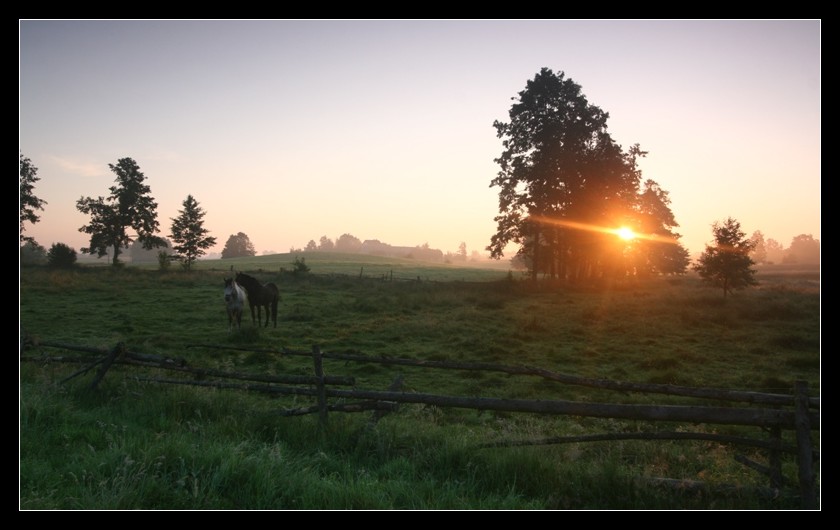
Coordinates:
[119,349]
[803,442]
[322,392]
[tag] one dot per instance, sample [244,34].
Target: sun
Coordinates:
[625,233]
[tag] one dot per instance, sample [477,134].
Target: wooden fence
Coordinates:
[774,413]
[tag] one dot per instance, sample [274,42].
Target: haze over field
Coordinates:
[292,130]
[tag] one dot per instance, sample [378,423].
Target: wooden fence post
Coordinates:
[119,349]
[322,393]
[803,442]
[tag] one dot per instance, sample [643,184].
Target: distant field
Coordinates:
[103,450]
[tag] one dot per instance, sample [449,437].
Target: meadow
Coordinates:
[134,444]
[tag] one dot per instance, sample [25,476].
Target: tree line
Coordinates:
[126,218]
[571,201]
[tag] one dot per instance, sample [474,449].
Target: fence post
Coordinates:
[803,442]
[322,393]
[118,350]
[775,458]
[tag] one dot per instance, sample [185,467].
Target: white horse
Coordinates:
[236,298]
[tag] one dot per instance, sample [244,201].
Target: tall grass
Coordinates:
[139,445]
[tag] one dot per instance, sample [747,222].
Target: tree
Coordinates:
[804,249]
[562,182]
[726,264]
[129,206]
[311,246]
[462,251]
[348,243]
[61,256]
[31,253]
[188,233]
[325,243]
[775,251]
[759,251]
[656,250]
[29,203]
[238,246]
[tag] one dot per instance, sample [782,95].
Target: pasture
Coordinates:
[140,445]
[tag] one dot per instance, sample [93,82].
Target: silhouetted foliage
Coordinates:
[129,206]
[727,263]
[759,251]
[188,233]
[31,253]
[29,202]
[348,243]
[775,251]
[300,266]
[804,249]
[564,183]
[238,246]
[326,243]
[61,256]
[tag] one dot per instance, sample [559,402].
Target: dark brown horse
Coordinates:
[260,296]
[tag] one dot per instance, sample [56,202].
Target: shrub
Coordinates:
[300,266]
[61,256]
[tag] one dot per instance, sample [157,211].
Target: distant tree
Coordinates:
[804,249]
[300,266]
[462,251]
[138,254]
[348,243]
[326,244]
[188,233]
[311,246]
[759,251]
[238,246]
[61,256]
[129,206]
[31,253]
[29,203]
[727,263]
[775,251]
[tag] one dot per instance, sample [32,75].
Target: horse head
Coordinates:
[230,290]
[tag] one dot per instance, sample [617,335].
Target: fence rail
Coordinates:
[801,415]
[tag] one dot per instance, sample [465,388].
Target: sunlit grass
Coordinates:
[140,445]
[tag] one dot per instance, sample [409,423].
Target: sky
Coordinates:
[290,130]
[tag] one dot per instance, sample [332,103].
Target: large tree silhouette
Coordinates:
[563,183]
[129,207]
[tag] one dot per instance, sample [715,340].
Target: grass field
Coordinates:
[139,445]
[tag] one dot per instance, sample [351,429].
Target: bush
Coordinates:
[300,266]
[61,256]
